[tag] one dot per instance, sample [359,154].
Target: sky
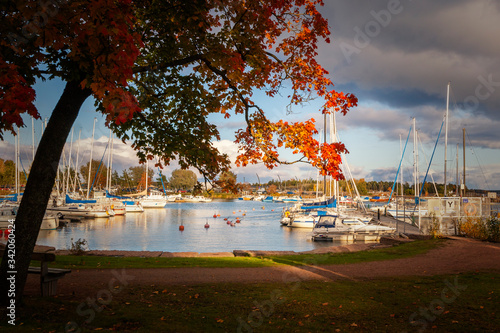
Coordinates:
[397,57]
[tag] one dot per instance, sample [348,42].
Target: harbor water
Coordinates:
[158,230]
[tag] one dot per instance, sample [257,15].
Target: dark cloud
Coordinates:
[403,53]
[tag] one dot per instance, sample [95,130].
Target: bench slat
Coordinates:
[38,270]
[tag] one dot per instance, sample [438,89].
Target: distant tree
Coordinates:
[272,189]
[97,174]
[361,185]
[246,187]
[7,172]
[183,179]
[135,174]
[227,182]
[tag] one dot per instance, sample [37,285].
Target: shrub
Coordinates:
[79,247]
[480,228]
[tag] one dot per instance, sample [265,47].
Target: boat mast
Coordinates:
[33,138]
[333,139]
[90,162]
[108,175]
[66,188]
[76,164]
[324,142]
[16,168]
[463,184]
[415,186]
[458,179]
[446,135]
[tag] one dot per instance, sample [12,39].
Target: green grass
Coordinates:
[400,251]
[409,304]
[83,262]
[405,250]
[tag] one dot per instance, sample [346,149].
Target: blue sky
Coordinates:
[397,57]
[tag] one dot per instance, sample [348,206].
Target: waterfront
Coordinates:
[158,230]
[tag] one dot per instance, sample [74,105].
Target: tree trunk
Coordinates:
[37,194]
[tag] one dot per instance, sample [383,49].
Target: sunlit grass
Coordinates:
[400,251]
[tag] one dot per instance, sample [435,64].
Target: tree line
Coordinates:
[134,179]
[131,179]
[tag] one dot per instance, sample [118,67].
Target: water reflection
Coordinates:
[158,230]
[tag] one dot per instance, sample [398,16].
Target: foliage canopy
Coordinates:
[157,69]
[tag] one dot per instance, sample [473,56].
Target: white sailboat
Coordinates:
[154,200]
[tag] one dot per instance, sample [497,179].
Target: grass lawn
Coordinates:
[452,303]
[395,252]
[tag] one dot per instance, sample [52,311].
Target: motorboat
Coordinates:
[8,213]
[269,198]
[81,211]
[132,206]
[154,200]
[174,197]
[348,228]
[301,219]
[294,198]
[198,198]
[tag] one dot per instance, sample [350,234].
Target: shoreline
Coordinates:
[352,247]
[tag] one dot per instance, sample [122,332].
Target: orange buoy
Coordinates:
[181,227]
[234,212]
[272,210]
[263,207]
[244,214]
[218,215]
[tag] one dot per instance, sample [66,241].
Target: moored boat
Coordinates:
[341,228]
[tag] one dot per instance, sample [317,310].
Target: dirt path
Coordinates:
[458,255]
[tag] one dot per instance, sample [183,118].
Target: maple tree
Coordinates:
[157,70]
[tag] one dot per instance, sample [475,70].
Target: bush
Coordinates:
[493,225]
[480,228]
[79,247]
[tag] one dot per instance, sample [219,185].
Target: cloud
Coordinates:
[407,57]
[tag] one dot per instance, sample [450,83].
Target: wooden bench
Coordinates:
[48,276]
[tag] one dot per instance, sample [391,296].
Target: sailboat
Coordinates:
[154,199]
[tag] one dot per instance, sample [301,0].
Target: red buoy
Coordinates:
[207,225]
[181,227]
[238,220]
